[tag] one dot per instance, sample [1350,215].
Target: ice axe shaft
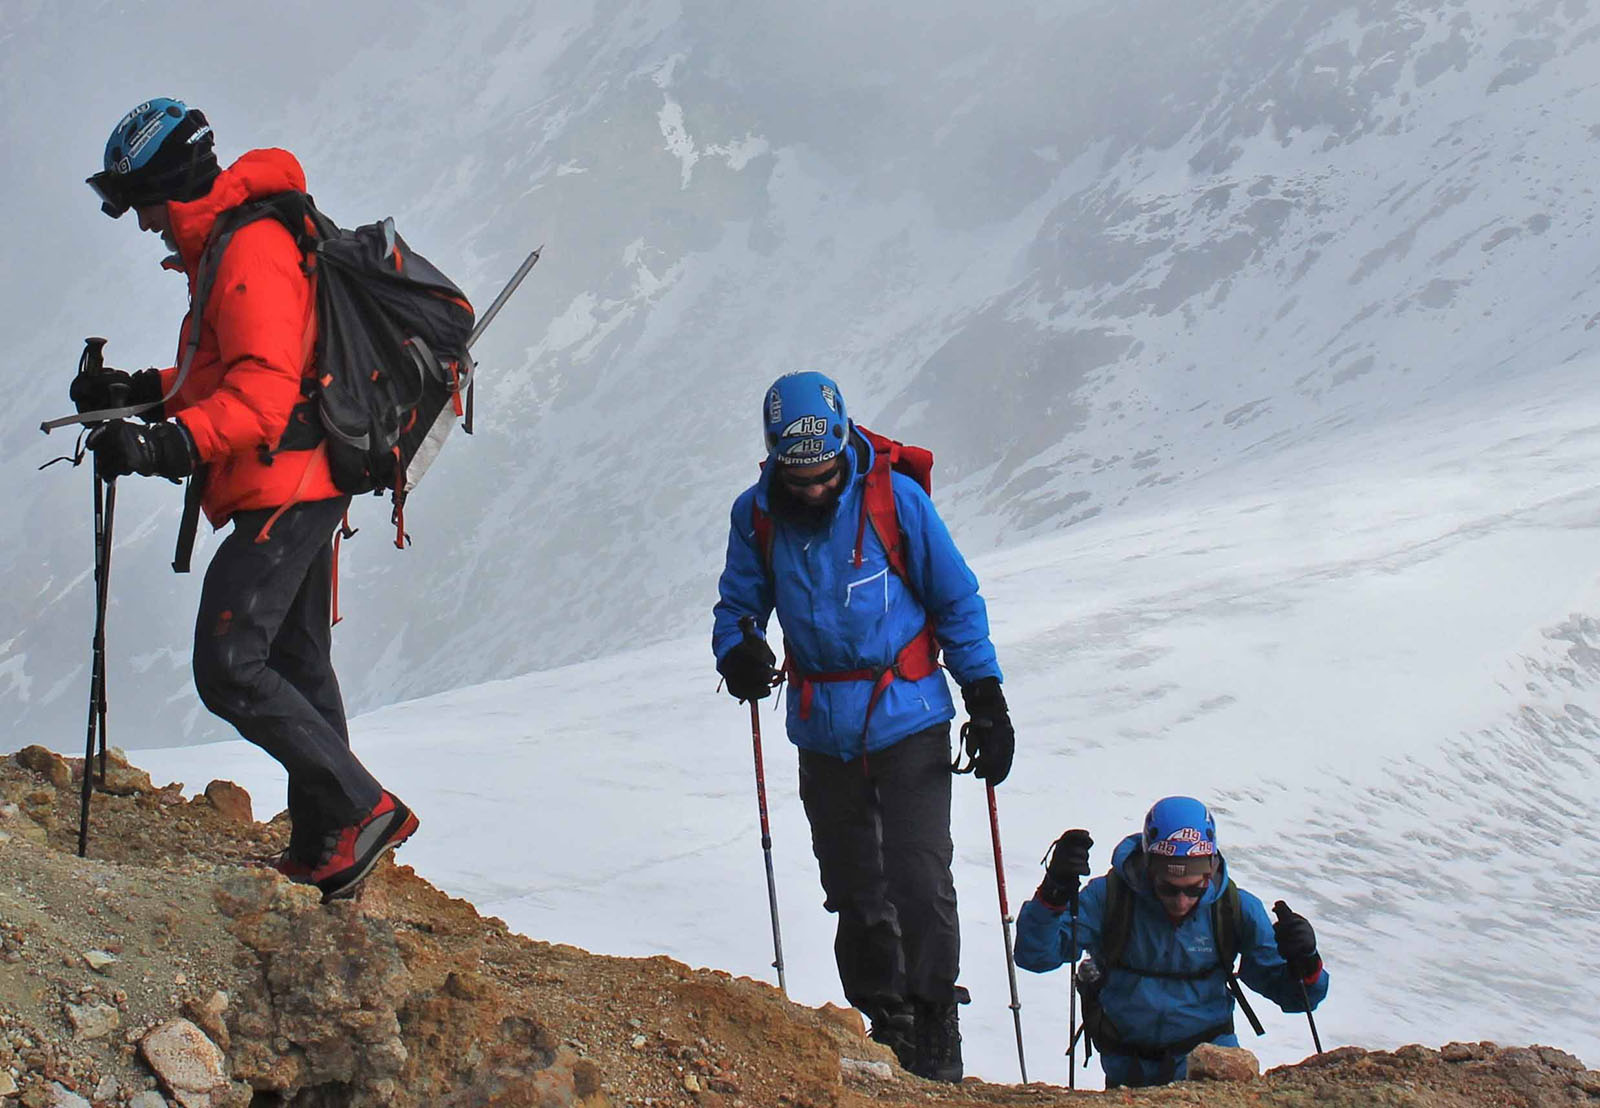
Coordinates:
[1005,930]
[505,294]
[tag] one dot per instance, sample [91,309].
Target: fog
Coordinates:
[1089,252]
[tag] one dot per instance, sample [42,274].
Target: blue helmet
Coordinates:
[1180,834]
[804,419]
[160,151]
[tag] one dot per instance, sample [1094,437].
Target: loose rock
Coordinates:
[188,1063]
[231,800]
[1209,1062]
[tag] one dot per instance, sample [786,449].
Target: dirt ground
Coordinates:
[406,996]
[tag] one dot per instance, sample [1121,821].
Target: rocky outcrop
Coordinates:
[172,969]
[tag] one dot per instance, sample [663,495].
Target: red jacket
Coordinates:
[257,341]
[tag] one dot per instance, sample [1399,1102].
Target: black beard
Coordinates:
[789,508]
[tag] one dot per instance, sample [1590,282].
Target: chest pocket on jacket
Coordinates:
[868,594]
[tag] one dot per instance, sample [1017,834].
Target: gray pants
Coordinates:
[880,828]
[261,661]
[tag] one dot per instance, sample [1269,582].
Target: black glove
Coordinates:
[1067,861]
[990,740]
[112,388]
[161,449]
[1297,943]
[749,669]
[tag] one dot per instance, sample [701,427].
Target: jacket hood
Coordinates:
[256,174]
[1128,860]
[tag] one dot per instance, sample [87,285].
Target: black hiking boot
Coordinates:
[894,1026]
[938,1043]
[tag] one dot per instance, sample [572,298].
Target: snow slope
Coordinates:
[1376,654]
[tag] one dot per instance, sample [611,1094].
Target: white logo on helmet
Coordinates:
[805,427]
[1187,841]
[828,398]
[774,407]
[808,450]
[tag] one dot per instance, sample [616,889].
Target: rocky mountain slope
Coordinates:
[170,969]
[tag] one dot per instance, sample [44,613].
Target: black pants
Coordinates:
[881,834]
[262,645]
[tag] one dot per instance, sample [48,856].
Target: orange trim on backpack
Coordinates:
[455,388]
[295,496]
[399,499]
[308,345]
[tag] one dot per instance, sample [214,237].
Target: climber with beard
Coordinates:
[863,624]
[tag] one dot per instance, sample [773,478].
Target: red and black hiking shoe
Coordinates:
[351,852]
[290,866]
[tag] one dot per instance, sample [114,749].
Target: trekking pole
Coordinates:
[1072,989]
[1005,928]
[748,626]
[1281,910]
[92,360]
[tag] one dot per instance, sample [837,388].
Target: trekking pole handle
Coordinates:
[1281,911]
[93,358]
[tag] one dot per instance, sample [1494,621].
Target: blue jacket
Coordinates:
[1157,1010]
[838,617]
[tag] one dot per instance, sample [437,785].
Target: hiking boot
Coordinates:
[350,852]
[291,867]
[894,1026]
[938,1043]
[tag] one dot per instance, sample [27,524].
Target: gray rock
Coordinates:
[858,1067]
[93,1021]
[63,1097]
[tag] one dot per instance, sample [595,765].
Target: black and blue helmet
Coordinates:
[159,151]
[804,419]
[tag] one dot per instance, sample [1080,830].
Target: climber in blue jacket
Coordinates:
[1162,929]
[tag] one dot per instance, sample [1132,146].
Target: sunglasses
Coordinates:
[826,477]
[112,189]
[1166,890]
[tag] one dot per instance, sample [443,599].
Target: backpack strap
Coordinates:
[1227,924]
[1116,922]
[1117,925]
[877,505]
[1227,920]
[762,523]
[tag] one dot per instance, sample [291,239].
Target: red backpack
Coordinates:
[919,658]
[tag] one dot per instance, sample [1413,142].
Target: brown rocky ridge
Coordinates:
[171,968]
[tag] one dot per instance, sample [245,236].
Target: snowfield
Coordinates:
[1370,654]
